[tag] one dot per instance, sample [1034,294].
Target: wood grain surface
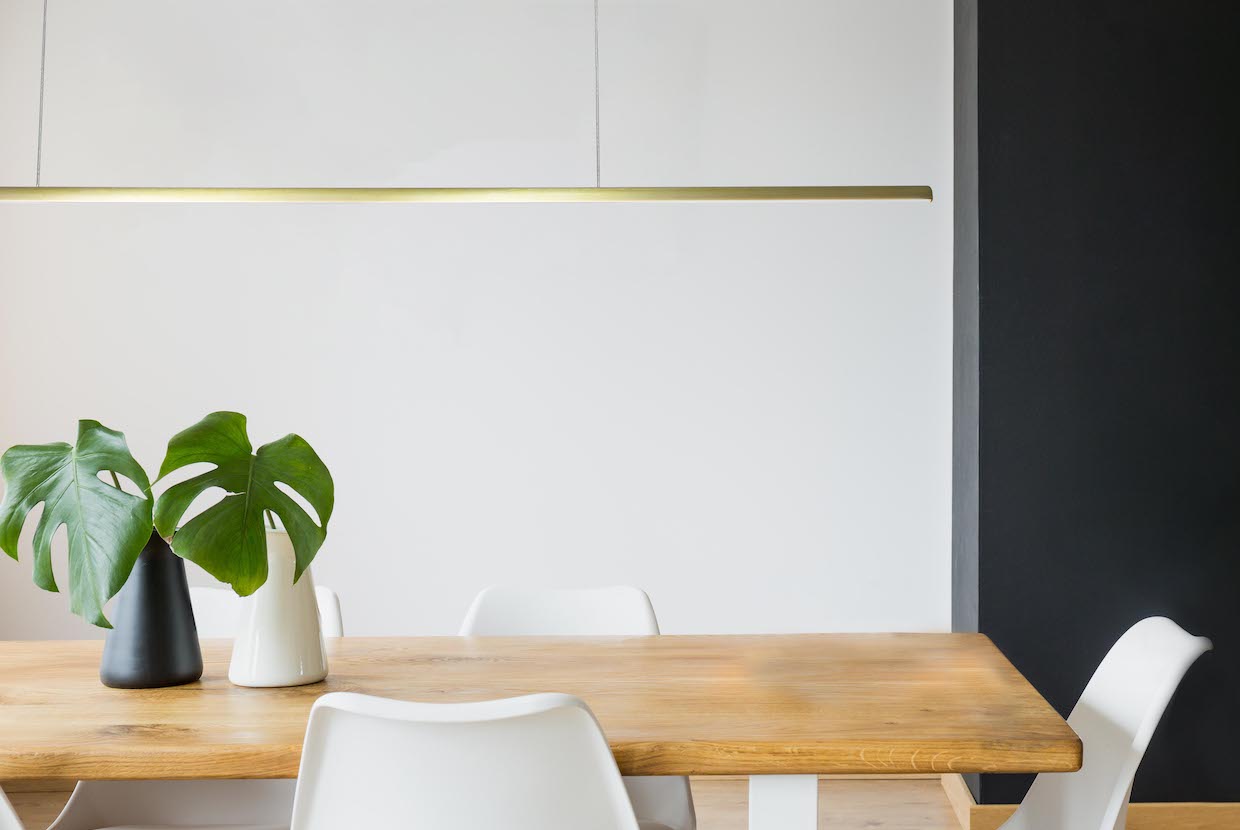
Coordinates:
[843,804]
[1188,815]
[671,705]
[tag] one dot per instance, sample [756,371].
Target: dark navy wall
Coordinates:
[1109,450]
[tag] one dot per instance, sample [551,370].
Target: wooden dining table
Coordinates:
[781,709]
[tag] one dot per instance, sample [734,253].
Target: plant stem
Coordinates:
[116,482]
[270,519]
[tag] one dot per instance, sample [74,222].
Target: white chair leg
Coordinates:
[783,802]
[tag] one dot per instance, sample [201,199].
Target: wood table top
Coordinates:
[670,705]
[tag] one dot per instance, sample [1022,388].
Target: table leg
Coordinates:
[783,802]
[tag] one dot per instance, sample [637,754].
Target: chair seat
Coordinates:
[197,827]
[643,825]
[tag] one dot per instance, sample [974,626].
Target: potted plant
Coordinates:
[237,541]
[119,539]
[111,543]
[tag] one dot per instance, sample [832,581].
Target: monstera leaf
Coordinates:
[107,527]
[228,539]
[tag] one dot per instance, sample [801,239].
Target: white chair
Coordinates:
[1115,717]
[538,762]
[184,805]
[8,816]
[194,804]
[217,611]
[507,611]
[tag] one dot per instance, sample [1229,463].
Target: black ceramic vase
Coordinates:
[154,640]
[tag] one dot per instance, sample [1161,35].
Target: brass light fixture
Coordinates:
[466,194]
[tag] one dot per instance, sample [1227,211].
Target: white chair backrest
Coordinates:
[624,611]
[506,611]
[8,816]
[217,611]
[1115,718]
[330,616]
[538,762]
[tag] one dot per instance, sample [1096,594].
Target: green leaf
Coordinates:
[228,539]
[107,527]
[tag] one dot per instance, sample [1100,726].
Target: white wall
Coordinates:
[319,93]
[769,92]
[478,93]
[743,408]
[21,47]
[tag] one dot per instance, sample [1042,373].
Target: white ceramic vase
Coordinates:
[280,641]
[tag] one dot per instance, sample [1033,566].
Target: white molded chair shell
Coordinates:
[620,610]
[1115,718]
[217,611]
[538,762]
[504,611]
[236,805]
[8,816]
[330,616]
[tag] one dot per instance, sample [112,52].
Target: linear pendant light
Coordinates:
[467,194]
